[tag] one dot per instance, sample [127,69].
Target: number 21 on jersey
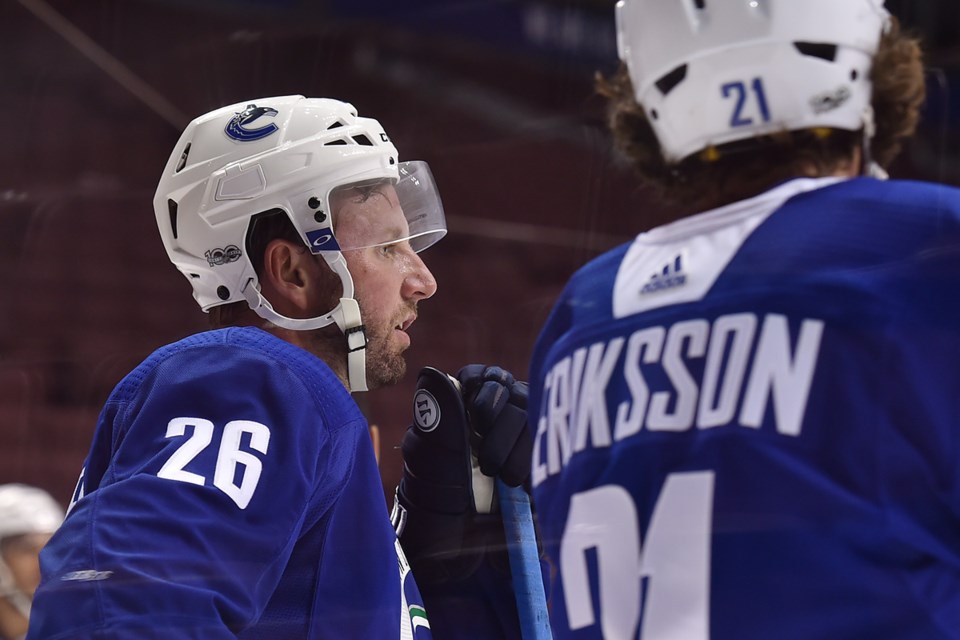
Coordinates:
[661,584]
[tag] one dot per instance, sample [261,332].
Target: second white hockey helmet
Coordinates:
[709,72]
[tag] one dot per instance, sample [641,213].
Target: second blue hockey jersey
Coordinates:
[747,423]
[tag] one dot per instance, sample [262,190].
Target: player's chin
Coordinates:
[385,370]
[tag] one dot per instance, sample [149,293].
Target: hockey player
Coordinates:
[231,489]
[746,420]
[28,517]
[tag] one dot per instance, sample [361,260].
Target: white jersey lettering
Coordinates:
[713,381]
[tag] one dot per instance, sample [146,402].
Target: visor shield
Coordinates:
[384,212]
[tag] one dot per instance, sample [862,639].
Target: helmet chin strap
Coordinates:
[346,315]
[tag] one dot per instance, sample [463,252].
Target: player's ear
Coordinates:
[288,270]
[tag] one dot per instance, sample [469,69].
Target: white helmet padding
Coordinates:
[709,72]
[286,153]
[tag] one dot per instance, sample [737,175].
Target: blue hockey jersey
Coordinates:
[747,423]
[231,491]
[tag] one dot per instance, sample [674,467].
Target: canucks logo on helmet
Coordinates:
[237,127]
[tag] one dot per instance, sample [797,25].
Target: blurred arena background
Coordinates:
[495,94]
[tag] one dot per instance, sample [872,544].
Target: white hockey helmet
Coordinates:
[25,509]
[709,72]
[286,153]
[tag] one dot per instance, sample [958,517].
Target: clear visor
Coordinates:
[382,212]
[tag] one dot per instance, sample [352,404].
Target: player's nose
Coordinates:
[419,283]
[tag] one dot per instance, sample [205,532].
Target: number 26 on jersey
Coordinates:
[229,455]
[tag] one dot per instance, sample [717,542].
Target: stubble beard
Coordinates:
[385,361]
[385,364]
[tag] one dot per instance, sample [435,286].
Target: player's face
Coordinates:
[390,278]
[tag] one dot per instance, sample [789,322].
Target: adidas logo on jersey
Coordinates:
[670,276]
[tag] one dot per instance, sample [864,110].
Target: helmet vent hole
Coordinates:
[853,74]
[194,275]
[654,114]
[333,142]
[668,82]
[821,50]
[335,125]
[172,208]
[183,158]
[700,4]
[363,140]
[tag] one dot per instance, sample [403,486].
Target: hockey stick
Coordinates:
[524,562]
[522,550]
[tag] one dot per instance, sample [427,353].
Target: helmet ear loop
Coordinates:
[868,167]
[346,315]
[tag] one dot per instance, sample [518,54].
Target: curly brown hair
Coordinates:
[743,170]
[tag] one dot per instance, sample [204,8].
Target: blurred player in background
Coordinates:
[231,489]
[746,420]
[28,517]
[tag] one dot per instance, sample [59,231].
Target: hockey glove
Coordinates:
[444,503]
[496,404]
